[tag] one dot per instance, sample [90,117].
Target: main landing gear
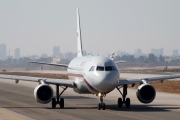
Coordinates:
[123,100]
[101,105]
[57,100]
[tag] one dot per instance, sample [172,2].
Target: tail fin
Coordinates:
[79,40]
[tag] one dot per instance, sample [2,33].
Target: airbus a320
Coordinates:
[96,75]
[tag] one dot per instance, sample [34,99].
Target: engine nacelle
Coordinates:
[146,93]
[43,93]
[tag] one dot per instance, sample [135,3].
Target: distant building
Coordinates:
[157,52]
[121,53]
[138,53]
[55,60]
[17,53]
[175,53]
[60,61]
[84,53]
[61,55]
[56,52]
[34,57]
[44,55]
[64,61]
[69,55]
[2,51]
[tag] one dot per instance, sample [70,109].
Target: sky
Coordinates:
[35,26]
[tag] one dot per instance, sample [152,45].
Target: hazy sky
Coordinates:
[35,26]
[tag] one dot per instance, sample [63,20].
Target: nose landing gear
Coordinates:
[101,105]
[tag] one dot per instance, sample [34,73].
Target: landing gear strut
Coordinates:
[101,105]
[123,100]
[57,100]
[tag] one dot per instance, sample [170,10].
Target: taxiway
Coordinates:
[17,103]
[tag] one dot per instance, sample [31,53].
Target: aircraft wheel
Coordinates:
[61,103]
[99,106]
[104,106]
[120,103]
[127,102]
[53,103]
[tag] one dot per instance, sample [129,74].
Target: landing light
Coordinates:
[99,94]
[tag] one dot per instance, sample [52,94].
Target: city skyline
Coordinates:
[56,52]
[107,26]
[10,51]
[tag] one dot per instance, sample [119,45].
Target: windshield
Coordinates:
[100,68]
[92,68]
[108,68]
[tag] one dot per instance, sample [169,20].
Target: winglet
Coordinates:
[79,40]
[112,56]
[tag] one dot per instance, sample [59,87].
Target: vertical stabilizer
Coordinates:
[79,40]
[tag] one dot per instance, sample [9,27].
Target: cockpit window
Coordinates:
[100,68]
[92,68]
[108,68]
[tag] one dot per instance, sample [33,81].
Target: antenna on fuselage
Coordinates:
[79,39]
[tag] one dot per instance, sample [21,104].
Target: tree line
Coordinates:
[151,58]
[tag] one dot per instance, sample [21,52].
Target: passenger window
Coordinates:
[100,68]
[92,68]
[108,68]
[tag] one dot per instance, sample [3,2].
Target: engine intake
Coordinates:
[146,93]
[43,93]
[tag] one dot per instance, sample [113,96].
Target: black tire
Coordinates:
[104,106]
[120,102]
[61,103]
[128,102]
[99,106]
[53,103]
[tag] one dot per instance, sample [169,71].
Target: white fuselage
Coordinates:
[93,74]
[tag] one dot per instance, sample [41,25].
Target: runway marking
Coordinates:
[9,115]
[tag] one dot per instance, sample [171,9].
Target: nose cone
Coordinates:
[106,81]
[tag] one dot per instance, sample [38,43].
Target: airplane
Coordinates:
[97,75]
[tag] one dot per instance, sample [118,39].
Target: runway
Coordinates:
[17,103]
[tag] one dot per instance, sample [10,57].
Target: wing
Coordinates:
[62,65]
[148,79]
[61,82]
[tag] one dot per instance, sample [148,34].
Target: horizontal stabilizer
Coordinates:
[53,64]
[121,61]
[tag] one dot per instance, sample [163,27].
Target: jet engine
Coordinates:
[43,93]
[146,93]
